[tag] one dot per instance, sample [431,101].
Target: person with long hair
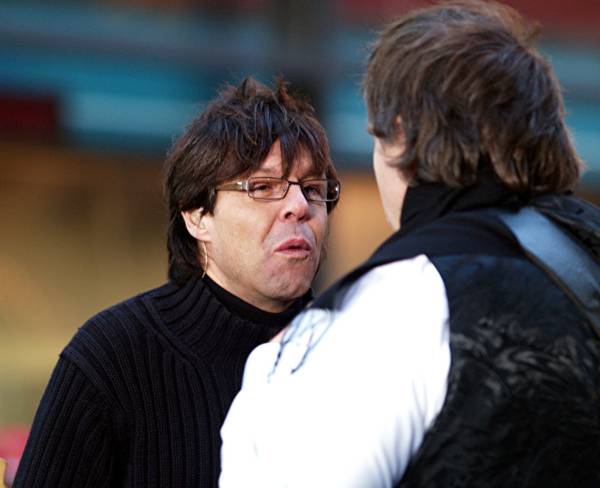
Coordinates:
[140,392]
[465,352]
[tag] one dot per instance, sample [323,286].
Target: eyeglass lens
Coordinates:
[317,190]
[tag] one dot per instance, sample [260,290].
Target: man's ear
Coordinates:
[195,222]
[399,128]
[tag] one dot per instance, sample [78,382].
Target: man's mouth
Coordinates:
[295,247]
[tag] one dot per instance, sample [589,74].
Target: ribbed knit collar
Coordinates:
[244,310]
[212,322]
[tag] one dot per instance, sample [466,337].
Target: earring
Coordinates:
[205,254]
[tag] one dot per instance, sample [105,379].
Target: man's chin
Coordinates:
[292,279]
[289,290]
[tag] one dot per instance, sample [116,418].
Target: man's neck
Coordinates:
[281,314]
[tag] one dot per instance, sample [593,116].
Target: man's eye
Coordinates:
[314,189]
[263,186]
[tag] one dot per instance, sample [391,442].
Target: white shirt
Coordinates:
[353,392]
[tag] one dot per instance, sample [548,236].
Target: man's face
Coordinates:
[267,252]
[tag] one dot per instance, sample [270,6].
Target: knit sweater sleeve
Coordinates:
[71,442]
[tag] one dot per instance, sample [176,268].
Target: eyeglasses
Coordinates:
[266,188]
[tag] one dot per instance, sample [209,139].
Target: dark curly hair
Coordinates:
[230,139]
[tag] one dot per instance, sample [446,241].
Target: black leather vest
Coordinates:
[523,401]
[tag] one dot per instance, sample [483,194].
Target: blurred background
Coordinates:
[92,93]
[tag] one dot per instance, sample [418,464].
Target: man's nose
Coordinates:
[295,204]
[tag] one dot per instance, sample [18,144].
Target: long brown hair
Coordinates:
[465,88]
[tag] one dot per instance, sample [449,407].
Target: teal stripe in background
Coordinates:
[134,79]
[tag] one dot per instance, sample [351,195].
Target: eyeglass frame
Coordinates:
[243,185]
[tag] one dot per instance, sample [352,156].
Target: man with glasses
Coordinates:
[139,394]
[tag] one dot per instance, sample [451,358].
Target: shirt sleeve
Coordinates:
[70,442]
[349,397]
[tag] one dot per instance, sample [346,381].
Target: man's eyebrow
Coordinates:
[312,174]
[269,171]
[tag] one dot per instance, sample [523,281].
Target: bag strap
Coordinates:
[560,257]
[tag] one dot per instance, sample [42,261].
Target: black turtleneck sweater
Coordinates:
[139,394]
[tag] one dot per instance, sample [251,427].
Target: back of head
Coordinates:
[230,139]
[464,87]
